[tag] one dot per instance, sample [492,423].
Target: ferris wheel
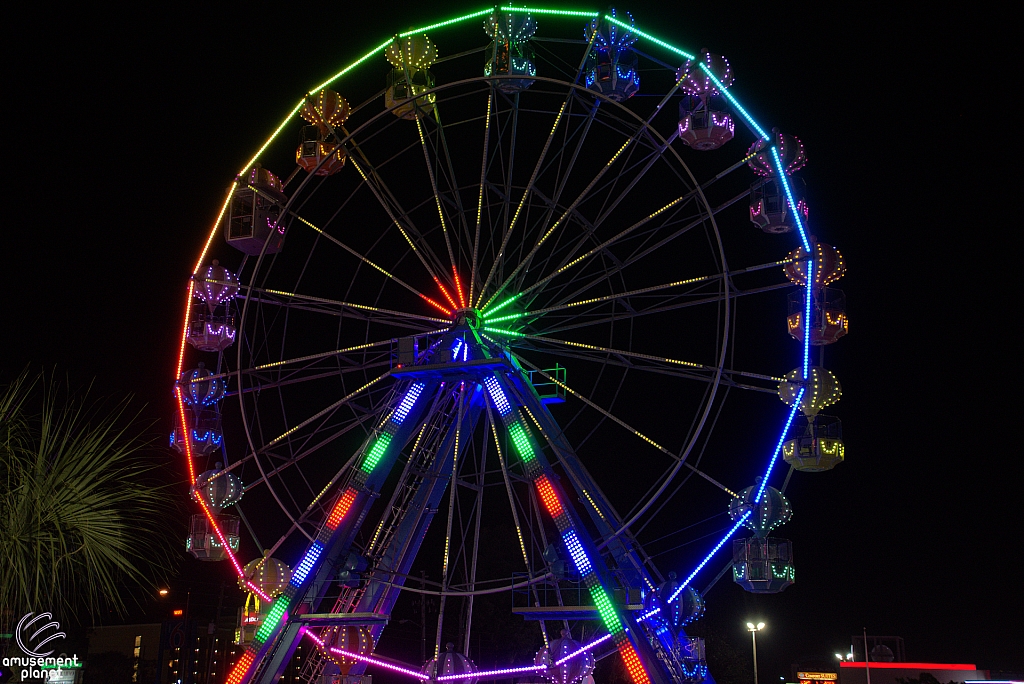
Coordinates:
[485,323]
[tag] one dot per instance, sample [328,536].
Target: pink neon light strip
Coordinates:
[583,649]
[453,677]
[491,673]
[369,660]
[912,666]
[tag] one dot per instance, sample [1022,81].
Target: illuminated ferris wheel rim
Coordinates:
[575,14]
[446,86]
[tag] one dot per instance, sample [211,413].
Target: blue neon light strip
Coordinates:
[807,316]
[778,447]
[781,172]
[497,396]
[708,557]
[408,401]
[579,556]
[733,101]
[308,561]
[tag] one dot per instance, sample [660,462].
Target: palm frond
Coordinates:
[84,514]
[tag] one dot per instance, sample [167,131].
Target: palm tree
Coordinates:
[83,512]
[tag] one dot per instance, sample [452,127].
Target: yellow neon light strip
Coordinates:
[515,216]
[362,307]
[325,411]
[508,487]
[600,247]
[369,263]
[569,210]
[480,198]
[437,200]
[405,235]
[631,429]
[300,359]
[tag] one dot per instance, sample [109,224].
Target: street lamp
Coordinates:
[754,629]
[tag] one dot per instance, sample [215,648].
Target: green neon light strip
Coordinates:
[350,67]
[502,331]
[648,36]
[507,317]
[376,452]
[605,610]
[449,22]
[521,441]
[501,306]
[562,13]
[273,617]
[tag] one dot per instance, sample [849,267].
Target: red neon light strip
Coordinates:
[341,508]
[184,332]
[220,535]
[445,293]
[548,496]
[185,436]
[633,666]
[241,668]
[434,304]
[912,666]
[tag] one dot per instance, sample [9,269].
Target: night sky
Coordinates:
[125,128]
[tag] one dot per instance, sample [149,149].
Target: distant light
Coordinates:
[750,625]
[760,625]
[163,592]
[177,612]
[839,655]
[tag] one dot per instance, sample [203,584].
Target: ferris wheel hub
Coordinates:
[467,316]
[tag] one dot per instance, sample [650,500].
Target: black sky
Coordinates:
[125,127]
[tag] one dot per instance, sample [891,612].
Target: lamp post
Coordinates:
[754,629]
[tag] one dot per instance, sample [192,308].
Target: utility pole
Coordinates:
[423,618]
[867,665]
[754,629]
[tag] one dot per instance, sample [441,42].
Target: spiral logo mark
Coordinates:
[28,622]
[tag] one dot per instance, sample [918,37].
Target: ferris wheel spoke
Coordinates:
[473,276]
[341,353]
[582,284]
[526,193]
[405,226]
[272,382]
[599,248]
[647,249]
[525,261]
[369,263]
[534,314]
[334,306]
[612,198]
[656,151]
[657,364]
[623,424]
[634,312]
[565,169]
[333,406]
[441,214]
[453,184]
[295,459]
